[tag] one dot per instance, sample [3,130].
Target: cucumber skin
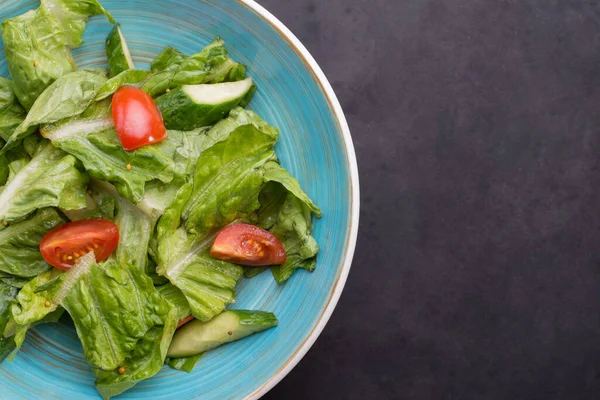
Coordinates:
[117,61]
[181,113]
[248,323]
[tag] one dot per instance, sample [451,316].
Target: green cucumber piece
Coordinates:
[193,106]
[119,57]
[196,337]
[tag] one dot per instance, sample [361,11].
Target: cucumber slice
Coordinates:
[193,106]
[119,57]
[197,337]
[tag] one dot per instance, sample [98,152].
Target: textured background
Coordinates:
[477,274]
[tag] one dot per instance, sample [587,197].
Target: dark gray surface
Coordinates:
[477,273]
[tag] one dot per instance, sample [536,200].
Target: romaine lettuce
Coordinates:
[37,44]
[20,244]
[51,179]
[12,113]
[7,295]
[211,65]
[68,96]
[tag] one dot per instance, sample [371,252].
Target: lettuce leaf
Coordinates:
[7,295]
[112,305]
[20,244]
[12,113]
[211,65]
[129,77]
[293,228]
[31,308]
[142,363]
[208,284]
[186,364]
[50,179]
[276,173]
[68,96]
[37,44]
[228,180]
[91,137]
[177,299]
[72,16]
[135,227]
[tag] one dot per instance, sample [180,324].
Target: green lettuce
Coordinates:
[12,113]
[143,362]
[32,307]
[177,299]
[211,65]
[186,364]
[276,173]
[7,295]
[131,77]
[91,137]
[293,228]
[122,321]
[20,244]
[208,284]
[51,179]
[37,44]
[68,96]
[135,227]
[72,16]
[228,180]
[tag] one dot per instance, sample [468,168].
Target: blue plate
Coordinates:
[315,146]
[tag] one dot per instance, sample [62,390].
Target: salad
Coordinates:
[133,201]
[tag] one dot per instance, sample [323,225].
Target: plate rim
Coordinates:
[352,163]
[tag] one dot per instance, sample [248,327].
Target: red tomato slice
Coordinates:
[63,246]
[137,118]
[184,321]
[248,245]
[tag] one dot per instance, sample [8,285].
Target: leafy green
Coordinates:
[142,363]
[293,228]
[12,113]
[208,284]
[128,77]
[68,96]
[20,244]
[91,137]
[211,65]
[276,173]
[186,364]
[37,44]
[177,299]
[50,179]
[73,15]
[31,308]
[112,305]
[135,227]
[119,58]
[7,295]
[98,206]
[228,180]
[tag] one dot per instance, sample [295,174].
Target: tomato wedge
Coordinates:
[63,246]
[137,118]
[248,245]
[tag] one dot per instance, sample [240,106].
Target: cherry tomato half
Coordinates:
[137,118]
[63,246]
[248,245]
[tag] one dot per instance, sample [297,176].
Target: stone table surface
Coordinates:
[477,271]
